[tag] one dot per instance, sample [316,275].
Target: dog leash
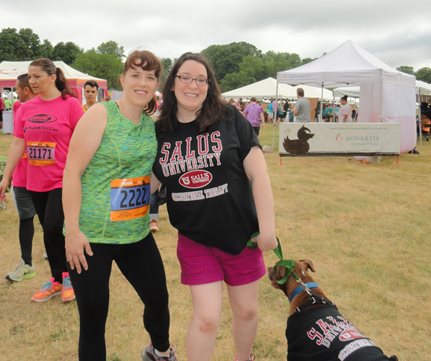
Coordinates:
[252,243]
[286,263]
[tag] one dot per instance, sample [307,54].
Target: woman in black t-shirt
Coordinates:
[218,197]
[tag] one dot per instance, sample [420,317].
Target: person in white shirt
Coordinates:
[345,113]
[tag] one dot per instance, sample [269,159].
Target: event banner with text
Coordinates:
[339,138]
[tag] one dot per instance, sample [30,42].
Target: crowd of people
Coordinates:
[260,112]
[88,173]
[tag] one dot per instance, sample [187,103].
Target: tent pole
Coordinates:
[420,120]
[319,118]
[274,119]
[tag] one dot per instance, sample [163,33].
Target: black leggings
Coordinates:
[142,266]
[49,209]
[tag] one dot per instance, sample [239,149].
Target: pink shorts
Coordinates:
[202,264]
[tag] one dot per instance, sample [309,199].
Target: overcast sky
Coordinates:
[397,32]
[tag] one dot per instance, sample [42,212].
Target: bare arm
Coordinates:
[83,145]
[16,150]
[155,183]
[257,173]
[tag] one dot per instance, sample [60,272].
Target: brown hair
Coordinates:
[300,92]
[91,83]
[212,107]
[48,66]
[145,60]
[23,81]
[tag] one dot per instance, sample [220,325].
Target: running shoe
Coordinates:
[21,272]
[47,291]
[67,292]
[149,354]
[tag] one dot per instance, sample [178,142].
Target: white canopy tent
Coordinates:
[387,95]
[422,88]
[265,88]
[9,71]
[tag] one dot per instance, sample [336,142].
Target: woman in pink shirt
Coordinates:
[44,132]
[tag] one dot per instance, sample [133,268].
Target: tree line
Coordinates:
[235,64]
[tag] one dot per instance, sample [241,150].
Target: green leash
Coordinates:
[286,263]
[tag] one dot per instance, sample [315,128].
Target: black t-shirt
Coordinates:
[321,333]
[209,196]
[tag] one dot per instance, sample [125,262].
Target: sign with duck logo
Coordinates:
[339,138]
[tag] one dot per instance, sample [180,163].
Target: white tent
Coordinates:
[387,95]
[314,92]
[422,88]
[9,71]
[265,88]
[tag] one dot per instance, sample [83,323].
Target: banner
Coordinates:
[339,138]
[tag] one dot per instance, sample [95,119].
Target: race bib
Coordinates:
[41,153]
[130,198]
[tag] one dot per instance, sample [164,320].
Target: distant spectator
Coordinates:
[345,112]
[1,110]
[253,112]
[91,89]
[301,110]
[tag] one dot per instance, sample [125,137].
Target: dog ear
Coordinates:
[309,264]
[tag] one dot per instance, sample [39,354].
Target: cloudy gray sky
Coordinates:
[397,32]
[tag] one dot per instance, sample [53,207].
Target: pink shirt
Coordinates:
[19,178]
[47,126]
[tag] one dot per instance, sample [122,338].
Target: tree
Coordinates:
[236,80]
[166,68]
[31,42]
[8,37]
[259,67]
[66,52]
[227,58]
[106,66]
[111,47]
[45,49]
[406,69]
[424,74]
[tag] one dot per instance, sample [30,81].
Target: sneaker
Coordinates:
[153,226]
[22,272]
[47,291]
[149,354]
[67,292]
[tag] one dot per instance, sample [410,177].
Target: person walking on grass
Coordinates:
[45,126]
[24,203]
[215,174]
[106,203]
[253,112]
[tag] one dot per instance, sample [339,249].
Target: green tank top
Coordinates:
[115,185]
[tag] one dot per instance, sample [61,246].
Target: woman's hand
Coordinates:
[266,242]
[77,246]
[4,184]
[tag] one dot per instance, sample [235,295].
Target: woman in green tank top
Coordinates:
[106,192]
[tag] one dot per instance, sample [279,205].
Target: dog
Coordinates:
[300,145]
[315,330]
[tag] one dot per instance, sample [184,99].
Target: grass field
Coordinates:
[367,228]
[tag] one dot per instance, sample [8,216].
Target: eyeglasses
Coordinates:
[187,79]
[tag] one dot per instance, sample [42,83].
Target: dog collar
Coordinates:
[300,288]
